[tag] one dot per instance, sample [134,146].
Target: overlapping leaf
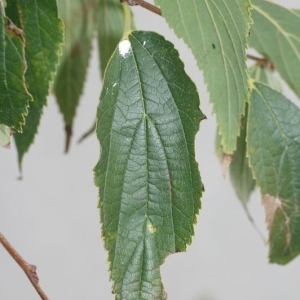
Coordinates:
[149,184]
[274,153]
[42,30]
[276,35]
[216,31]
[78,16]
[14,97]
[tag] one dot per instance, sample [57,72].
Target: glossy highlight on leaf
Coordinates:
[216,32]
[273,146]
[148,179]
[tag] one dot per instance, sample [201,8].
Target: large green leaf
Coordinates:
[149,183]
[78,16]
[276,36]
[14,98]
[43,33]
[216,32]
[273,146]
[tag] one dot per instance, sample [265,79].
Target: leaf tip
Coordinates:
[68,130]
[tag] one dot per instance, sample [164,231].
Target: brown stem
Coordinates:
[262,61]
[143,4]
[30,270]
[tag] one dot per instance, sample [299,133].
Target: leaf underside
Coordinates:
[149,183]
[216,32]
[273,146]
[42,30]
[14,98]
[276,35]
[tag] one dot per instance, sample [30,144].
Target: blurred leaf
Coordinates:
[110,25]
[148,179]
[14,97]
[43,33]
[273,146]
[217,32]
[78,17]
[240,172]
[276,36]
[265,75]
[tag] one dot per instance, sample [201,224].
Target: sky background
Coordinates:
[51,216]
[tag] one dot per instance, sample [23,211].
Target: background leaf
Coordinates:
[216,32]
[149,183]
[265,75]
[43,34]
[110,26]
[79,18]
[14,97]
[274,153]
[240,172]
[276,35]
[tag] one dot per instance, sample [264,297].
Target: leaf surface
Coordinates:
[148,179]
[14,97]
[273,146]
[78,17]
[276,35]
[43,33]
[216,32]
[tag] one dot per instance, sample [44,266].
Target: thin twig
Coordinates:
[144,4]
[262,61]
[30,270]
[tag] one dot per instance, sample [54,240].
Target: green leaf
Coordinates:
[273,147]
[276,36]
[14,97]
[43,33]
[78,18]
[240,172]
[148,179]
[265,75]
[216,32]
[110,25]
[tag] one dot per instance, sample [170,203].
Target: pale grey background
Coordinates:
[52,220]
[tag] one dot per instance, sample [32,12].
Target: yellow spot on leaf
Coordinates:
[151,228]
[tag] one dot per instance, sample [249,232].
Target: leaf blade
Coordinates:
[274,158]
[216,33]
[141,169]
[78,17]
